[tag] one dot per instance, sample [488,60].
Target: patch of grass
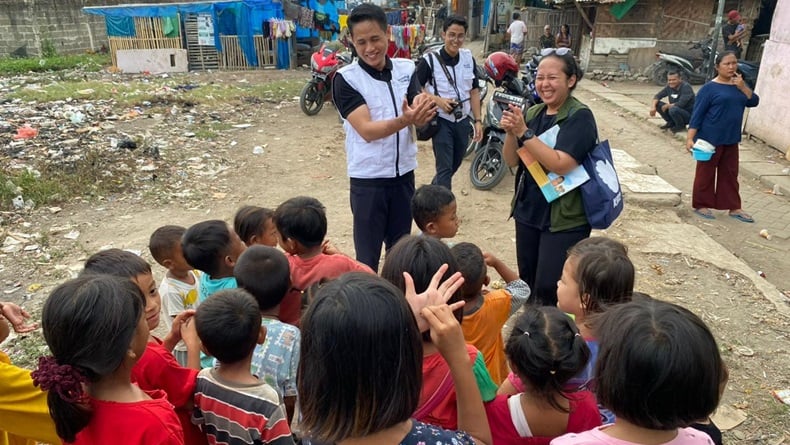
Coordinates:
[211,130]
[96,173]
[30,186]
[54,62]
[158,91]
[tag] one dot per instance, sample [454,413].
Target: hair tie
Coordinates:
[552,372]
[65,380]
[527,334]
[577,335]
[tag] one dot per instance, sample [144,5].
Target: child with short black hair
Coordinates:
[359,379]
[545,350]
[420,257]
[597,274]
[265,274]
[213,248]
[157,368]
[486,311]
[95,327]
[302,224]
[434,210]
[659,370]
[179,288]
[255,225]
[231,405]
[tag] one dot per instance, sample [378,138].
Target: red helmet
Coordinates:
[499,64]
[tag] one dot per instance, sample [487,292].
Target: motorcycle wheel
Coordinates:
[311,100]
[488,167]
[660,74]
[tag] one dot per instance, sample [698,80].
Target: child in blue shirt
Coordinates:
[212,247]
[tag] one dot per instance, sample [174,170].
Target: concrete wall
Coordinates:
[768,121]
[26,26]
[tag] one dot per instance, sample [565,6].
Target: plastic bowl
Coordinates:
[700,155]
[703,145]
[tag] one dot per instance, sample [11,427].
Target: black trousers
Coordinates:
[449,146]
[541,255]
[382,214]
[675,116]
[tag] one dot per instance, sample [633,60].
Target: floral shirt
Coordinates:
[424,434]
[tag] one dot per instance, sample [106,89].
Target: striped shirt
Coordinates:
[236,414]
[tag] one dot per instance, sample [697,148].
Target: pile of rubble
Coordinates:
[616,76]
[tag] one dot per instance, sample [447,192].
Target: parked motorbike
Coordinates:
[697,71]
[324,64]
[488,165]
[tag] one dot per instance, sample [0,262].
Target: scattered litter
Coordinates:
[777,190]
[127,143]
[782,395]
[73,235]
[744,351]
[657,267]
[25,132]
[233,143]
[34,287]
[242,126]
[727,417]
[54,210]
[761,273]
[764,233]
[257,150]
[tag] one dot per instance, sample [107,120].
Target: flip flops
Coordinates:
[742,217]
[705,213]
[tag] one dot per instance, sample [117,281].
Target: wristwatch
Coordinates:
[529,134]
[476,120]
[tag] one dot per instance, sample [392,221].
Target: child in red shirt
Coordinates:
[157,369]
[302,224]
[96,329]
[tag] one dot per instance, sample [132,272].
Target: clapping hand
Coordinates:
[422,110]
[513,121]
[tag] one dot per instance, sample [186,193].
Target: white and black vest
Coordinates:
[391,156]
[464,75]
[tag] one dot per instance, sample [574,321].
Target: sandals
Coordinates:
[742,217]
[705,213]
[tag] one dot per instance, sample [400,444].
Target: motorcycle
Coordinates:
[697,71]
[323,64]
[488,166]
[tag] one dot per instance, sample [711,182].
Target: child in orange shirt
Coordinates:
[487,311]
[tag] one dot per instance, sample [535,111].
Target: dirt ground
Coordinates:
[305,156]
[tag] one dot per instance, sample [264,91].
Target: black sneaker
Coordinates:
[665,126]
[677,129]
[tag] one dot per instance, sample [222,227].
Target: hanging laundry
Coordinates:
[281,29]
[306,17]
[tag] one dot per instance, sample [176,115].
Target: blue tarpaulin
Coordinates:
[242,18]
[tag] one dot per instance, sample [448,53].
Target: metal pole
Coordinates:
[715,42]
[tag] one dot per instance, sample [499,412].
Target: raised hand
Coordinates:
[420,112]
[437,293]
[513,121]
[446,332]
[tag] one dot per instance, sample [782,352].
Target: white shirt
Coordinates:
[517,30]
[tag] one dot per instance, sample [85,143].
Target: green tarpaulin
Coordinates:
[621,9]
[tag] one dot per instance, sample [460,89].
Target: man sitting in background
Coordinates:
[680,96]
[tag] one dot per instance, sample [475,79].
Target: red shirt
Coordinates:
[306,272]
[584,415]
[441,405]
[146,422]
[157,369]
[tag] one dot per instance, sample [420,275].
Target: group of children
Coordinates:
[270,347]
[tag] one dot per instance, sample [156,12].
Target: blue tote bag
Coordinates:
[602,197]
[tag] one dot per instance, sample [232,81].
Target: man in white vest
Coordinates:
[371,96]
[448,77]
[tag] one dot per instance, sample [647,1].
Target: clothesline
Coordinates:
[406,37]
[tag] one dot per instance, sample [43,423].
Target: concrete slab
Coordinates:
[170,60]
[692,242]
[641,184]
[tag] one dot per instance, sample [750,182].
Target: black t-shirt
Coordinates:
[577,137]
[347,99]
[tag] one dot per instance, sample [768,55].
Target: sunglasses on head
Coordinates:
[558,51]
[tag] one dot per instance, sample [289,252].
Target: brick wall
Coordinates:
[28,25]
